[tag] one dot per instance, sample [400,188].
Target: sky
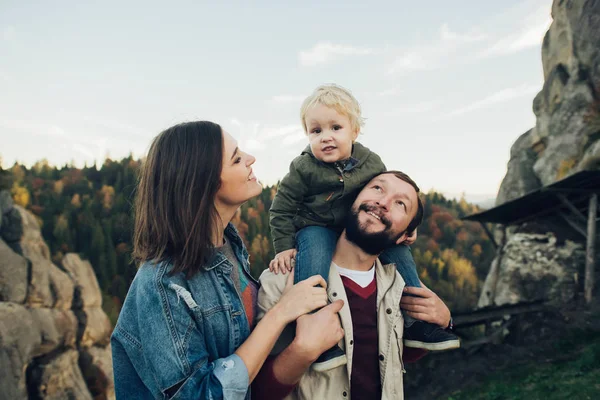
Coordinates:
[445,87]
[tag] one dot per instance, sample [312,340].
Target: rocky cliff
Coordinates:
[565,140]
[54,335]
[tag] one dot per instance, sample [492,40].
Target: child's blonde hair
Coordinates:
[338,98]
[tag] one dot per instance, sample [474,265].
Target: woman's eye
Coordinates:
[237,160]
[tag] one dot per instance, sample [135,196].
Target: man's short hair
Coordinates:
[418,218]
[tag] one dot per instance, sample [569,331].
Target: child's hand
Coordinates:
[412,238]
[283,261]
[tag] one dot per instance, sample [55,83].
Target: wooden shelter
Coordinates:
[572,201]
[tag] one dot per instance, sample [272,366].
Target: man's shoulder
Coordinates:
[271,287]
[268,278]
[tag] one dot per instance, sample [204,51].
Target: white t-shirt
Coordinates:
[361,278]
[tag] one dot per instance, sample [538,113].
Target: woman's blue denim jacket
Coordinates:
[176,338]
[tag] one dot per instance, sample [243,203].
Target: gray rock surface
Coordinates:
[59,378]
[13,275]
[51,320]
[534,267]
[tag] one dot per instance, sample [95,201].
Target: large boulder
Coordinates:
[31,241]
[87,290]
[565,140]
[39,293]
[58,328]
[96,366]
[96,327]
[533,267]
[520,178]
[58,378]
[13,275]
[20,337]
[567,109]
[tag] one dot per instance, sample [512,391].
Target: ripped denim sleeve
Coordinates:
[230,373]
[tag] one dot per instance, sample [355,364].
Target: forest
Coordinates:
[89,211]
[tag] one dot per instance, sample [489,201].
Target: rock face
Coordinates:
[54,335]
[565,140]
[533,267]
[566,137]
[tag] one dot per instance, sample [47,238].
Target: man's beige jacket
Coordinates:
[335,383]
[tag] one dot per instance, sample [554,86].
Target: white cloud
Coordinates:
[286,98]
[388,92]
[253,145]
[326,52]
[30,127]
[293,139]
[9,33]
[498,97]
[416,108]
[448,36]
[436,54]
[270,132]
[530,34]
[83,150]
[413,61]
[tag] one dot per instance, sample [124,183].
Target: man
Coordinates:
[366,294]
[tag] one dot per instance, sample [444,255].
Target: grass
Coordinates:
[574,374]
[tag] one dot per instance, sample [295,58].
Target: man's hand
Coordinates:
[283,261]
[320,331]
[427,307]
[412,238]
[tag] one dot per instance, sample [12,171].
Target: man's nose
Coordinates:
[384,203]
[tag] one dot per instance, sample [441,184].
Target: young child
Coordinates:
[312,200]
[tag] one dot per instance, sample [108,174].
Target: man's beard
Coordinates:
[370,243]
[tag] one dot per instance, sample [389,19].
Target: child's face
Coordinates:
[330,134]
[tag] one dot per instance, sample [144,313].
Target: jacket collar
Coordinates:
[232,234]
[357,158]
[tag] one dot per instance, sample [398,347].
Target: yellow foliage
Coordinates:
[476,250]
[460,270]
[108,194]
[58,186]
[17,172]
[76,200]
[20,195]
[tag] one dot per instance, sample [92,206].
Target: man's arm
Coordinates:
[295,351]
[425,305]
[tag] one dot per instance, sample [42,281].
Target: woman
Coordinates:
[186,327]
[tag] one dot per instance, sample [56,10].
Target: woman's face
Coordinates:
[238,183]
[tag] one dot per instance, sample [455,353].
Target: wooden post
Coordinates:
[590,262]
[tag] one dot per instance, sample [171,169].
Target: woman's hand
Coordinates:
[426,307]
[303,297]
[283,261]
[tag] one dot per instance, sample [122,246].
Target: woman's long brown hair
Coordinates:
[175,215]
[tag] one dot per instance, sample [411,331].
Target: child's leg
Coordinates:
[315,247]
[422,335]
[405,264]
